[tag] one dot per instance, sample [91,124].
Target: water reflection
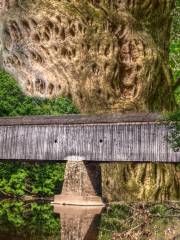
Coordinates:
[41,221]
[79,222]
[28,221]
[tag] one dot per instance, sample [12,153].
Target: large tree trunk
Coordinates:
[144,182]
[108,56]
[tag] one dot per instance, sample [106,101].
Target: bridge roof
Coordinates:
[81,119]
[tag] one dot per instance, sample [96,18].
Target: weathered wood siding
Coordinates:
[138,141]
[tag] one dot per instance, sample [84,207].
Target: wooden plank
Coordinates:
[80,119]
[103,142]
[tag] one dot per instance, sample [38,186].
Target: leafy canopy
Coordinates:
[14,103]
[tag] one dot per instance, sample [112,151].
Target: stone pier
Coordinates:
[82,184]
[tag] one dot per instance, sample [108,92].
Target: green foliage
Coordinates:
[174,137]
[175,47]
[173,116]
[45,179]
[175,58]
[174,125]
[18,179]
[158,209]
[14,103]
[111,220]
[10,94]
[19,220]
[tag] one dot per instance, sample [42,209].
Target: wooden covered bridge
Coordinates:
[84,141]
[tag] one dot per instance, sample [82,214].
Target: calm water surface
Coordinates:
[40,220]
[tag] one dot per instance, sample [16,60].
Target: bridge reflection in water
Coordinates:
[79,222]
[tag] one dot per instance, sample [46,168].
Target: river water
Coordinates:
[41,220]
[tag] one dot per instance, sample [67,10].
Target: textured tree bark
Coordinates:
[107,55]
[144,182]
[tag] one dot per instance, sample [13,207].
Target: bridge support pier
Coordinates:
[82,184]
